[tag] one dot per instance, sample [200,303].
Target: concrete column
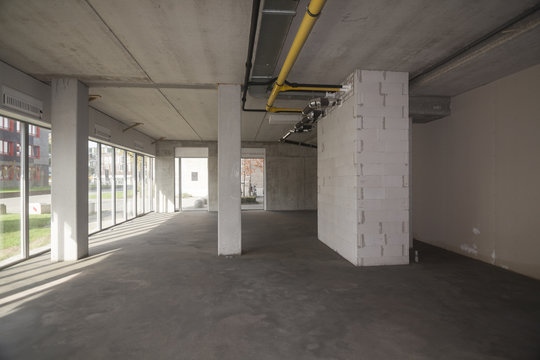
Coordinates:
[363,171]
[69,119]
[229,144]
[164,177]
[212,177]
[164,184]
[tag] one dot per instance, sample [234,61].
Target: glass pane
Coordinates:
[194,183]
[140,180]
[176,184]
[119,176]
[93,183]
[147,184]
[107,184]
[10,185]
[252,183]
[39,171]
[152,176]
[130,170]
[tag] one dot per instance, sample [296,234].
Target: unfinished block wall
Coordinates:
[363,171]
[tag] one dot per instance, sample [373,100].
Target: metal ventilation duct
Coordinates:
[276,19]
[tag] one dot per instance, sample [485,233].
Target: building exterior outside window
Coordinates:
[16,244]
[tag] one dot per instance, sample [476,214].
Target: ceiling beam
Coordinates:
[151,85]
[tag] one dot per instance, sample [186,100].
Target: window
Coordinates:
[93,187]
[130,184]
[5,147]
[40,193]
[17,192]
[33,130]
[33,152]
[107,186]
[11,238]
[120,180]
[120,185]
[148,183]
[4,123]
[140,184]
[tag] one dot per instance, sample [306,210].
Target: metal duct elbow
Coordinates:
[319,103]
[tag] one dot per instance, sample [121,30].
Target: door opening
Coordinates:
[252,181]
[193,184]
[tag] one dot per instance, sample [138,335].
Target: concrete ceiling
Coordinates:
[159,62]
[405,36]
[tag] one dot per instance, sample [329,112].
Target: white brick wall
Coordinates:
[384,156]
[363,171]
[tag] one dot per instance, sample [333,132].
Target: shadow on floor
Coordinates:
[154,288]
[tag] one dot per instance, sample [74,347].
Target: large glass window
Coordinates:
[140,184]
[39,173]
[177,194]
[93,187]
[11,241]
[120,167]
[148,183]
[152,183]
[130,188]
[120,185]
[107,186]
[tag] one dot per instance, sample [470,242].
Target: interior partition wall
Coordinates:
[25,190]
[120,185]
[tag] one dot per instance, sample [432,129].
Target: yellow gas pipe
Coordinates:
[312,12]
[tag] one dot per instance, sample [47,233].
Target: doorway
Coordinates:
[252,179]
[191,179]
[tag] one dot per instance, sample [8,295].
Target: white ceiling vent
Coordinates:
[21,103]
[102,131]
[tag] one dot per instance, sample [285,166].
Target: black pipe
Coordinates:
[252,31]
[313,85]
[299,143]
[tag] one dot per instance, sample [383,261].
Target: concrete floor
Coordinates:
[154,288]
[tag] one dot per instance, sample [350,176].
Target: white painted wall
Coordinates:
[476,175]
[198,188]
[131,139]
[19,81]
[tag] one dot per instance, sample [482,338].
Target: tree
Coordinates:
[248,168]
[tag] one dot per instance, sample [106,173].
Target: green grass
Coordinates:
[10,235]
[108,195]
[17,189]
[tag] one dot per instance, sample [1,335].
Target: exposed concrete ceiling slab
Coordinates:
[500,61]
[392,35]
[159,62]
[251,124]
[183,41]
[148,106]
[62,38]
[198,107]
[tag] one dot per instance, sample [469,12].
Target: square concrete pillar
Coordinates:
[229,145]
[363,171]
[69,120]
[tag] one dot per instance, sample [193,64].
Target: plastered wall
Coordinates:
[476,175]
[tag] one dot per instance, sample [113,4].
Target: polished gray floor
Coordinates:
[153,288]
